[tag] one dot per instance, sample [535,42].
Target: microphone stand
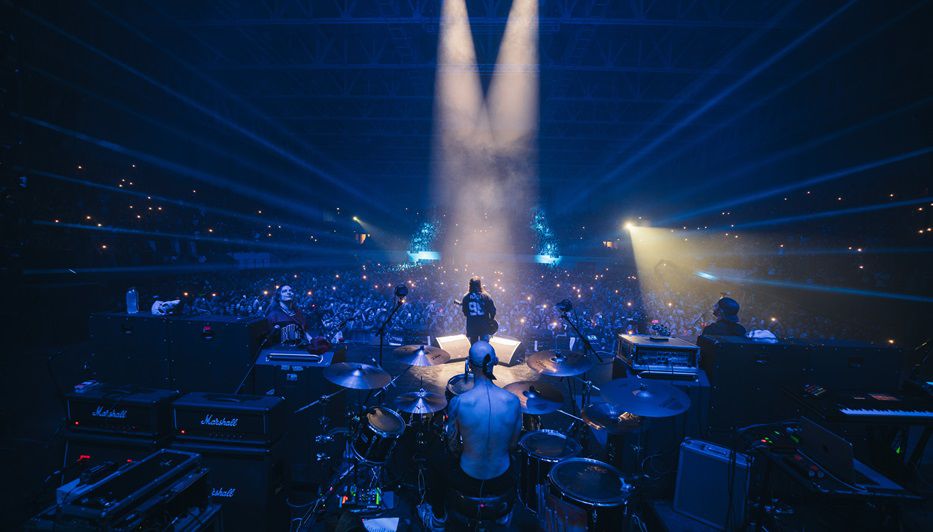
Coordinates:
[252,363]
[385,325]
[587,347]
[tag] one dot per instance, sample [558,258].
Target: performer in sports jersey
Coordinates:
[480,312]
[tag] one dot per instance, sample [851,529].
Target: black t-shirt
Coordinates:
[724,328]
[478,309]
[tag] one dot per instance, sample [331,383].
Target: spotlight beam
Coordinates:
[172,166]
[197,238]
[830,214]
[180,133]
[181,203]
[285,154]
[677,151]
[801,184]
[709,104]
[191,268]
[840,290]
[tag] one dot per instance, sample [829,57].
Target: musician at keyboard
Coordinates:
[283,314]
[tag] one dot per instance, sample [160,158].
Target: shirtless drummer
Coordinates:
[488,419]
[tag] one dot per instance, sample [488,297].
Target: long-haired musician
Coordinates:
[283,313]
[480,312]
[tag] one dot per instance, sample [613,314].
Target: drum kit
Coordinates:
[555,481]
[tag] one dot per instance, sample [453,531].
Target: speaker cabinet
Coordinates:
[249,482]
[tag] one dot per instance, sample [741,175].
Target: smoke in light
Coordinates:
[485,164]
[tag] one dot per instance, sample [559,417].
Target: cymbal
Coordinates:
[605,416]
[560,363]
[420,402]
[421,355]
[536,397]
[645,398]
[357,376]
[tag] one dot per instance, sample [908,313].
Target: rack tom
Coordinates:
[378,434]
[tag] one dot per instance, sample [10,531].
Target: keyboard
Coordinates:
[866,407]
[883,407]
[872,412]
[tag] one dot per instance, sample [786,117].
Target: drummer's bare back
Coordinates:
[489,419]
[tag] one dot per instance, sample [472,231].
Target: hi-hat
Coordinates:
[421,355]
[357,376]
[420,402]
[560,363]
[646,398]
[605,416]
[537,398]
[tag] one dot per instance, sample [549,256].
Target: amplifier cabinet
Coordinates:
[249,481]
[212,353]
[250,419]
[130,349]
[205,353]
[703,484]
[748,377]
[126,410]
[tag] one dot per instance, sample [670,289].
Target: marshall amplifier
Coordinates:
[248,480]
[659,354]
[123,410]
[251,419]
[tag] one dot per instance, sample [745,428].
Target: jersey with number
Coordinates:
[479,310]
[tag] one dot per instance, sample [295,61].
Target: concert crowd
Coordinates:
[606,301]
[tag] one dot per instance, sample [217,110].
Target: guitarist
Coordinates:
[480,312]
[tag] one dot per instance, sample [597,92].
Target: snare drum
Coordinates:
[458,385]
[586,487]
[378,434]
[540,450]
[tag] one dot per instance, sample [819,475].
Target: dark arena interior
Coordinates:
[560,265]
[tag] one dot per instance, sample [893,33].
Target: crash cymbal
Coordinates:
[605,416]
[537,398]
[645,398]
[560,363]
[420,402]
[357,376]
[421,355]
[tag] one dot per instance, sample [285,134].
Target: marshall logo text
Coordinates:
[219,421]
[109,413]
[221,492]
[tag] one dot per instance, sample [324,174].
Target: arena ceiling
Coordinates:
[636,96]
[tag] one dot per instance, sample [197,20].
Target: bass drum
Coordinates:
[378,434]
[588,493]
[540,450]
